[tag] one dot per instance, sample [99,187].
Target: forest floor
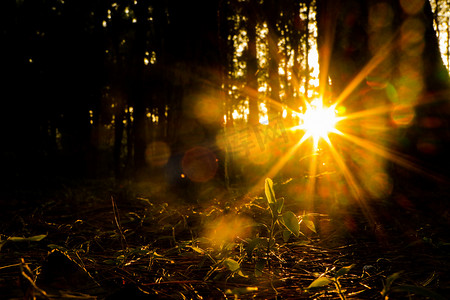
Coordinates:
[91,241]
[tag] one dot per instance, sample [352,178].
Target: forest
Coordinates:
[225,149]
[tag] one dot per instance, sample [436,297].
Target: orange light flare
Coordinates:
[391,155]
[357,147]
[318,121]
[228,228]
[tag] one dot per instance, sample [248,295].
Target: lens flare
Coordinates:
[157,153]
[318,121]
[227,229]
[199,164]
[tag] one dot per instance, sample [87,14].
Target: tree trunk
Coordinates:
[427,87]
[307,47]
[252,64]
[137,92]
[118,138]
[274,58]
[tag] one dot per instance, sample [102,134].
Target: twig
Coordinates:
[10,266]
[175,282]
[339,289]
[123,241]
[24,267]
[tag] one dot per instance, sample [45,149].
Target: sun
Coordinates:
[318,121]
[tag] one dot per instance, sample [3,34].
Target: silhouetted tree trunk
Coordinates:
[295,40]
[272,14]
[192,58]
[342,41]
[252,62]
[432,143]
[137,86]
[118,137]
[307,47]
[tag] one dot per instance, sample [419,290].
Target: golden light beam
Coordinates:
[391,156]
[356,191]
[311,185]
[282,161]
[376,60]
[276,168]
[369,112]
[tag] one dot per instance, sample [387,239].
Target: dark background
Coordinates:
[72,69]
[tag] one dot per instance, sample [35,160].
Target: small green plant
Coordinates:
[17,239]
[221,261]
[282,223]
[324,281]
[287,220]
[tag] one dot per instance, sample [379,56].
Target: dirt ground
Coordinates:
[97,240]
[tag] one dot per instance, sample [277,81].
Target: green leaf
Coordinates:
[343,271]
[240,273]
[387,287]
[231,264]
[280,204]
[110,262]
[252,244]
[391,92]
[310,225]
[291,222]
[35,238]
[270,194]
[319,282]
[286,235]
[197,249]
[391,278]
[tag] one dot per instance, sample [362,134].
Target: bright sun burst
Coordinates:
[318,121]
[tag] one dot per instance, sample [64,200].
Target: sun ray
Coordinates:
[369,112]
[277,167]
[311,185]
[283,160]
[357,193]
[376,60]
[392,156]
